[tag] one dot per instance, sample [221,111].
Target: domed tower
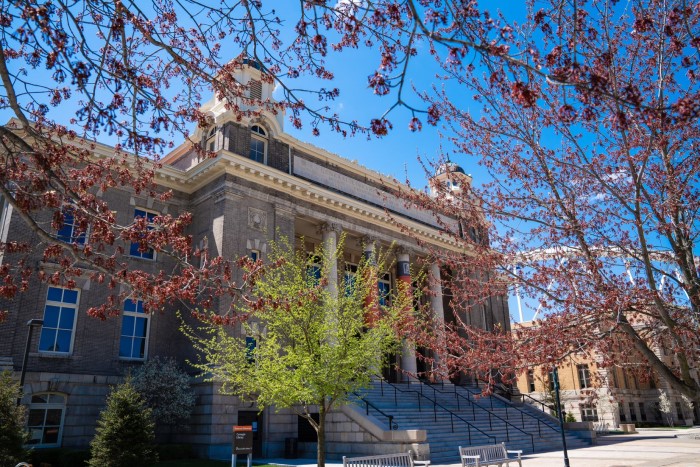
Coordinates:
[449,178]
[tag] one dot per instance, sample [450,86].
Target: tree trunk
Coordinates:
[321,450]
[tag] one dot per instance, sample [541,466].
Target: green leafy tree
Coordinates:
[318,340]
[13,434]
[125,431]
[166,389]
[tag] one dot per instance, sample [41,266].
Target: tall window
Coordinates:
[211,140]
[60,312]
[633,412]
[623,415]
[384,286]
[136,249]
[258,144]
[313,269]
[584,376]
[69,232]
[350,271]
[133,341]
[45,421]
[642,412]
[531,380]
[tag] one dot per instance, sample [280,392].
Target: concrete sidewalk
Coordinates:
[648,448]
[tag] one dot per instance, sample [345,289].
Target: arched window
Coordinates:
[45,421]
[258,144]
[211,139]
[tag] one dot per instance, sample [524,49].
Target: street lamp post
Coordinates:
[560,415]
[31,323]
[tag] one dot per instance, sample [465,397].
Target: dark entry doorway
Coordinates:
[252,417]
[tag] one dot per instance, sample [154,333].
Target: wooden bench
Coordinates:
[403,459]
[492,454]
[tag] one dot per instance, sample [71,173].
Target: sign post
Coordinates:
[242,443]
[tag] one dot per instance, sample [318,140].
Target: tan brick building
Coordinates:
[604,396]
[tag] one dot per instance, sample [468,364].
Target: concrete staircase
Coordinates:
[457,416]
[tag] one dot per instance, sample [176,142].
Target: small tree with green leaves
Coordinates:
[13,433]
[166,389]
[317,342]
[125,431]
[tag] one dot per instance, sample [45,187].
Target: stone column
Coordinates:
[371,301]
[436,304]
[330,248]
[408,349]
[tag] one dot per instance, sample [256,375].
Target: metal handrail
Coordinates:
[536,401]
[522,413]
[511,394]
[392,426]
[491,414]
[435,406]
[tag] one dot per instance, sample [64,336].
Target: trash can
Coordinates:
[291,448]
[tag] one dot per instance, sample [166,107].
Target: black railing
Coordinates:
[368,404]
[542,404]
[453,415]
[509,406]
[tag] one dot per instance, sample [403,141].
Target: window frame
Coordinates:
[254,254]
[210,141]
[136,315]
[584,375]
[589,413]
[46,406]
[349,278]
[138,254]
[258,134]
[61,305]
[384,299]
[71,237]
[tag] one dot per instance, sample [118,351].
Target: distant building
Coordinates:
[262,183]
[604,396]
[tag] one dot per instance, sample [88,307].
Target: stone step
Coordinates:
[518,427]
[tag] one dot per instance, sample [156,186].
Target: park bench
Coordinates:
[491,454]
[403,459]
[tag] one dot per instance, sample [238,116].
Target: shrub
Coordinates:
[125,431]
[13,434]
[166,390]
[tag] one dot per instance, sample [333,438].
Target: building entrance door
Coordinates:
[255,419]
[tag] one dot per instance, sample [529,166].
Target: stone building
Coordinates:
[262,183]
[605,396]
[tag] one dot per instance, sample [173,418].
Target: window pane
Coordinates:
[47,340]
[51,435]
[140,327]
[51,316]
[40,398]
[128,323]
[63,341]
[55,294]
[53,417]
[36,416]
[125,347]
[70,296]
[67,318]
[129,305]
